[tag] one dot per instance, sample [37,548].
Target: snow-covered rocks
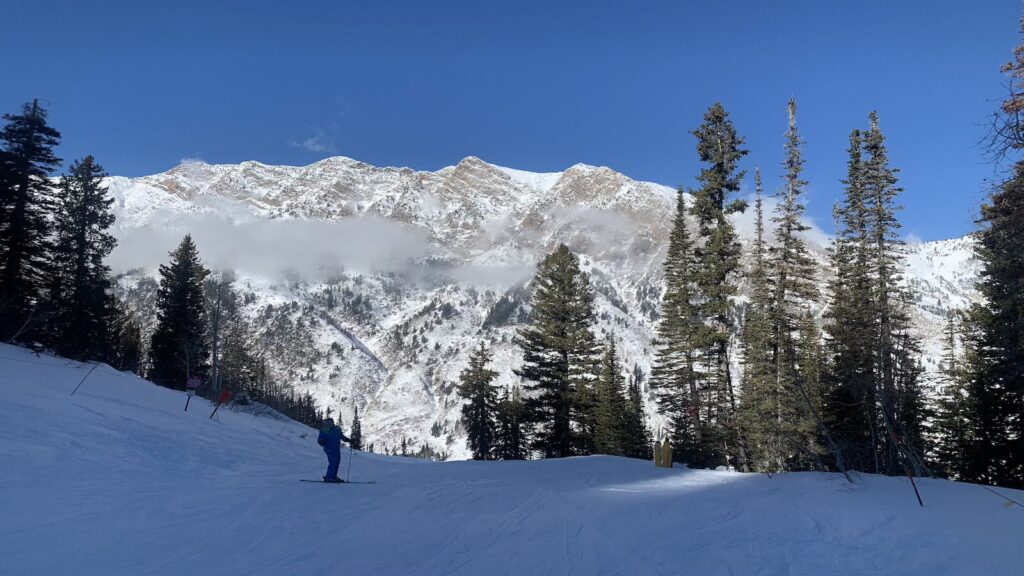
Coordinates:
[415,263]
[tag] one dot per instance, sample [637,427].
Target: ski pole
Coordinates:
[348,474]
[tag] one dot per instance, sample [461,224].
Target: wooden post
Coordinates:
[666,454]
[657,453]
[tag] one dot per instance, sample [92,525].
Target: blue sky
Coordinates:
[531,85]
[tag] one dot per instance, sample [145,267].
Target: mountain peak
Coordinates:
[435,254]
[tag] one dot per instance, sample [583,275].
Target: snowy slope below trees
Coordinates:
[118,479]
[368,285]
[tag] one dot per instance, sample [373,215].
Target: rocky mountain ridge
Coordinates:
[369,285]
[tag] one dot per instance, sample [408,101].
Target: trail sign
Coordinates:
[192,384]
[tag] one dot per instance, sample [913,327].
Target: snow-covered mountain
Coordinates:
[369,285]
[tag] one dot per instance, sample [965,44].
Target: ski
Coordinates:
[349,482]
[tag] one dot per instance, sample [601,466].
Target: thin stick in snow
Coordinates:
[83,379]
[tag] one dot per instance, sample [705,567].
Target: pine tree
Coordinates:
[896,370]
[638,435]
[478,414]
[758,276]
[803,423]
[993,331]
[610,414]
[792,285]
[673,377]
[80,302]
[26,200]
[356,437]
[125,338]
[996,337]
[238,367]
[874,399]
[953,419]
[178,349]
[716,266]
[760,404]
[851,404]
[511,415]
[221,316]
[560,357]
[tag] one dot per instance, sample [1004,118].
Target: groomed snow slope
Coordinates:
[118,479]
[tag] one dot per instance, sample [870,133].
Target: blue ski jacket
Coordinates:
[331,438]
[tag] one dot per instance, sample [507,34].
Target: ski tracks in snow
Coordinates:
[120,480]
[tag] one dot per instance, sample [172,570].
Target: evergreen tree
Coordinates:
[80,302]
[26,200]
[178,349]
[994,332]
[560,357]
[125,338]
[478,414]
[673,377]
[610,414]
[716,265]
[221,308]
[852,405]
[758,275]
[996,337]
[954,418]
[896,370]
[511,415]
[804,424]
[874,398]
[792,285]
[761,403]
[356,436]
[638,436]
[239,367]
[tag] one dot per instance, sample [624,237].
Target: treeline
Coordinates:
[56,291]
[828,380]
[201,332]
[844,399]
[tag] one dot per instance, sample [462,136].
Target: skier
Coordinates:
[330,438]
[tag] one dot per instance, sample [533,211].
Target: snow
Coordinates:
[537,181]
[118,479]
[460,236]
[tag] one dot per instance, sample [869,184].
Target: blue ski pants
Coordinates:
[333,460]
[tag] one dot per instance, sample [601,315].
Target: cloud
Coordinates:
[229,237]
[324,137]
[319,142]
